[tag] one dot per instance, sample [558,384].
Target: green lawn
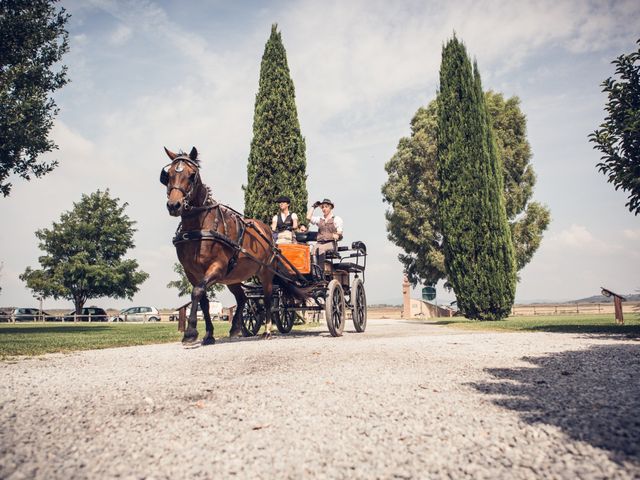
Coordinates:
[557,323]
[39,338]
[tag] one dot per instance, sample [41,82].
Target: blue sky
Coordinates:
[151,74]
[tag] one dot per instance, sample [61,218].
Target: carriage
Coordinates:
[337,288]
[217,244]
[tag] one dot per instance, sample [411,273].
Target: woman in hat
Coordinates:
[329,228]
[284,223]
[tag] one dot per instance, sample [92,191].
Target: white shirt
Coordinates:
[337,221]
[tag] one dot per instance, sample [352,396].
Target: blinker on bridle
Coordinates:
[164,177]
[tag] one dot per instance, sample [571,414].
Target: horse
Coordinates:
[216,244]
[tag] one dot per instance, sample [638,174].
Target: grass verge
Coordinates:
[30,339]
[39,338]
[560,323]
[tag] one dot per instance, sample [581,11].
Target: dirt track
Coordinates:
[403,400]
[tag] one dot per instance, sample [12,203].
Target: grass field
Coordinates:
[40,338]
[560,323]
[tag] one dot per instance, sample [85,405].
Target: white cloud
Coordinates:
[121,35]
[632,234]
[578,237]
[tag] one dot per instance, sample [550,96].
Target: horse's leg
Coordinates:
[267,287]
[204,305]
[191,332]
[241,299]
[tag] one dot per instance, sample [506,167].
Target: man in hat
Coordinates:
[329,229]
[284,223]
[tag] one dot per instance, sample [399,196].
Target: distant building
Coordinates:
[416,308]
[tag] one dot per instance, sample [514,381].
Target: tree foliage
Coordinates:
[412,190]
[184,286]
[619,135]
[84,254]
[32,40]
[277,162]
[478,250]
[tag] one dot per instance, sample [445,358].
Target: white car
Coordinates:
[137,314]
[215,310]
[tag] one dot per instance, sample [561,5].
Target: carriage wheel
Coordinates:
[334,308]
[252,318]
[359,302]
[284,321]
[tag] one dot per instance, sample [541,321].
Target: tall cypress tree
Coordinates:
[277,162]
[479,254]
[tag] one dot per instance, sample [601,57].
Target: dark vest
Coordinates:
[287,224]
[326,229]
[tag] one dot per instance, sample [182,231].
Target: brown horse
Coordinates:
[216,244]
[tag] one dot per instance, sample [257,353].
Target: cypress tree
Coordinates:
[277,162]
[478,250]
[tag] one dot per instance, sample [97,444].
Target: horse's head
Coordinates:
[182,178]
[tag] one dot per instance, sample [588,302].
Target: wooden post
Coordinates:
[617,303]
[182,318]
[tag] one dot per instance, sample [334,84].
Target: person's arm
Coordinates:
[274,223]
[338,223]
[294,219]
[311,209]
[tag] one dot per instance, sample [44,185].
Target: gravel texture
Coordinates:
[402,400]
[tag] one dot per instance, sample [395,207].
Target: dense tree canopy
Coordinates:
[618,138]
[277,163]
[476,239]
[184,286]
[33,40]
[84,254]
[412,190]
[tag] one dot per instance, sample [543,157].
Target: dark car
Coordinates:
[88,314]
[29,315]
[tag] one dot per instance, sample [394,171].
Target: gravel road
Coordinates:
[402,400]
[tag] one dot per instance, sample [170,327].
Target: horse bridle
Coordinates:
[164,179]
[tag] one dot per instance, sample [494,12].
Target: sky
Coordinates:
[147,74]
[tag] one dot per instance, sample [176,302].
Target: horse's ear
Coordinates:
[172,155]
[193,155]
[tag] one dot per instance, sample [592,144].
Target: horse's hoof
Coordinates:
[190,341]
[266,336]
[208,341]
[235,333]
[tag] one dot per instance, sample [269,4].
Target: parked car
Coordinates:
[137,314]
[29,315]
[215,310]
[88,314]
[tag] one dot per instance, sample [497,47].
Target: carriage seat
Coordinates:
[304,237]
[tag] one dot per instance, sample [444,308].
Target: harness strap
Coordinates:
[205,235]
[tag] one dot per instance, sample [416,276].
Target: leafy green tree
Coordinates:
[84,254]
[478,250]
[33,40]
[277,163]
[184,286]
[412,190]
[619,135]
